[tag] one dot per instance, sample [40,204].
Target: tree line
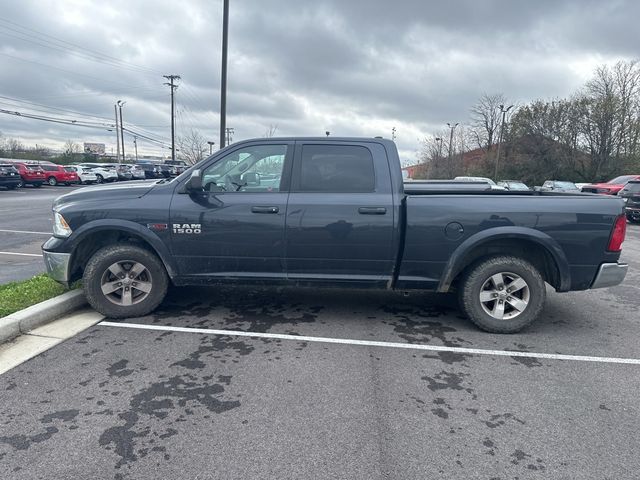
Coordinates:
[592,135]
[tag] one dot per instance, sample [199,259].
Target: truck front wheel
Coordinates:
[502,294]
[123,281]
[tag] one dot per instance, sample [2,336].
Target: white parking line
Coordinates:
[21,254]
[369,343]
[26,231]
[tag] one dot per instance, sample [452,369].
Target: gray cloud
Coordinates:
[354,68]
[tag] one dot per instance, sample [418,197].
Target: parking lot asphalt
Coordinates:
[26,223]
[117,402]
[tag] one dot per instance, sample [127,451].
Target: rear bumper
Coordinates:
[610,274]
[57,266]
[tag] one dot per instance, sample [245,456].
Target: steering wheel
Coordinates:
[230,185]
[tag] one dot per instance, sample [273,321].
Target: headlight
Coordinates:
[60,226]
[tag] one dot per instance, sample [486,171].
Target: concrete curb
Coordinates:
[40,313]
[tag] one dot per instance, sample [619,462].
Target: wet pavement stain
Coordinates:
[447,381]
[64,415]
[208,346]
[119,369]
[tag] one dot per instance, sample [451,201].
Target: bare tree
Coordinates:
[192,147]
[271,131]
[486,119]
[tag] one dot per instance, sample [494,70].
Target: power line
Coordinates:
[73,47]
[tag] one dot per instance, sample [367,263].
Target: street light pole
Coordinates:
[504,113]
[223,76]
[115,107]
[451,128]
[120,104]
[135,145]
[211,144]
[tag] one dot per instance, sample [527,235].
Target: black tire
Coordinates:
[478,278]
[633,220]
[98,272]
[52,181]
[37,185]
[99,178]
[20,184]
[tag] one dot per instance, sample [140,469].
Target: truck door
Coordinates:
[340,217]
[235,229]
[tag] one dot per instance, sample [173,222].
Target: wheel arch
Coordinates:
[98,234]
[531,245]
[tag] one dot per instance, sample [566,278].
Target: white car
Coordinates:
[86,174]
[103,173]
[491,183]
[137,171]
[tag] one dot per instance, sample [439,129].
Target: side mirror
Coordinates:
[194,184]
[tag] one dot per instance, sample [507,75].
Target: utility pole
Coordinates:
[229,132]
[211,144]
[120,104]
[223,76]
[451,128]
[171,84]
[504,113]
[115,107]
[135,145]
[439,142]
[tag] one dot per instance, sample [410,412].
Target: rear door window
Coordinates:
[335,168]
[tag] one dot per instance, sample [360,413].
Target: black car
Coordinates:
[150,170]
[631,196]
[9,176]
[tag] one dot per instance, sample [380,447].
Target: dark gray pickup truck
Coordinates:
[333,212]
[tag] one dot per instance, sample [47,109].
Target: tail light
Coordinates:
[618,233]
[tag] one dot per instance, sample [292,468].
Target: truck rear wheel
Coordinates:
[123,281]
[502,294]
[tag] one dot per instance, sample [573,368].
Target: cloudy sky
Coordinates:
[345,66]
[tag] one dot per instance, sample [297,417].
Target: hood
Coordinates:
[116,191]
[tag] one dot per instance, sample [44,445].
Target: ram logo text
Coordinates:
[187,228]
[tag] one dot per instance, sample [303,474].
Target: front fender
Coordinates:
[458,261]
[90,228]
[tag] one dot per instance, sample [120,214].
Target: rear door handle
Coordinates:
[372,210]
[264,209]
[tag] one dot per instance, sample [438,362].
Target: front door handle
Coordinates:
[264,209]
[372,210]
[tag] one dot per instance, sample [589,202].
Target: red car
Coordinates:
[56,174]
[30,173]
[612,187]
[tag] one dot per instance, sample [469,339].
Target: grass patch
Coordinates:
[15,296]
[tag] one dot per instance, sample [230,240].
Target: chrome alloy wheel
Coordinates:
[126,283]
[504,295]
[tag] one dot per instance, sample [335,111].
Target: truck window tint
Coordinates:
[336,168]
[256,168]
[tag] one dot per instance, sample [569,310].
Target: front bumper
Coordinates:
[58,266]
[610,274]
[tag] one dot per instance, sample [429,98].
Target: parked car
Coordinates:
[165,170]
[513,185]
[30,173]
[122,169]
[558,186]
[137,172]
[179,166]
[493,184]
[104,172]
[150,170]
[611,187]
[9,176]
[631,196]
[56,174]
[86,174]
[313,229]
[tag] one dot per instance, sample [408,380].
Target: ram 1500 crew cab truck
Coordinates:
[332,212]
